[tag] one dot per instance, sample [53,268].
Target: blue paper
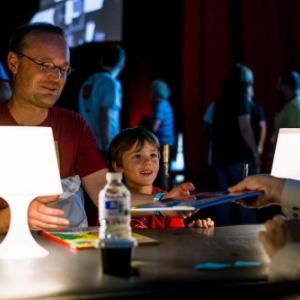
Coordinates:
[247,264]
[211,266]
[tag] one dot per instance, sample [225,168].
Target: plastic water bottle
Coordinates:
[114,208]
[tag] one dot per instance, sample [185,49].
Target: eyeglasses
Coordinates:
[48,66]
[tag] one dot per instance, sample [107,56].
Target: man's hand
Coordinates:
[270,186]
[42,217]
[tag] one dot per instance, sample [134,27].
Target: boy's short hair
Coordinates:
[125,140]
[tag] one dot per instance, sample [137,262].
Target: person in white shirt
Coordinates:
[100,97]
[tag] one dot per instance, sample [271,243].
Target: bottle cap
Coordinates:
[113,176]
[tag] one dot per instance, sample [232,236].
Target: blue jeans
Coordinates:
[232,213]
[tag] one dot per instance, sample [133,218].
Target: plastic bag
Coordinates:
[71,201]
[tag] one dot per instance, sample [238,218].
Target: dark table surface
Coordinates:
[166,269]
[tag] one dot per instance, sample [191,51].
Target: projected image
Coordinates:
[84,21]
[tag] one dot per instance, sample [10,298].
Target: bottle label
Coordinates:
[114,208]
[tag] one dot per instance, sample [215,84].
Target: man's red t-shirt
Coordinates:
[76,145]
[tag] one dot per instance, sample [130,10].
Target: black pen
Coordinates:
[245,171]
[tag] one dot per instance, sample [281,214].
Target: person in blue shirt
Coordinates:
[5,88]
[162,114]
[162,123]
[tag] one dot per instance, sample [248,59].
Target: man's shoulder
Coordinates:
[65,113]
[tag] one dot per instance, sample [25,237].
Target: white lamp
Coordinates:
[286,161]
[28,169]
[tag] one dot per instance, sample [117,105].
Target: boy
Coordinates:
[135,153]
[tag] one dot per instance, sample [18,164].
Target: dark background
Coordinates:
[191,44]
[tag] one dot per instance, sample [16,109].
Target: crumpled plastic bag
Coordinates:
[71,201]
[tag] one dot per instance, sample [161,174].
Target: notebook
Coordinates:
[286,161]
[87,237]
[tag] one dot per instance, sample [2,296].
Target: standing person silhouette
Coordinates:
[289,96]
[233,142]
[100,97]
[162,124]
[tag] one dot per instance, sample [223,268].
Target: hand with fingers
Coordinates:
[197,219]
[43,217]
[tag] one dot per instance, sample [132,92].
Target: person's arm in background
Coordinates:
[263,128]
[248,135]
[155,125]
[262,137]
[156,116]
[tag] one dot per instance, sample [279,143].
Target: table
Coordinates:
[165,270]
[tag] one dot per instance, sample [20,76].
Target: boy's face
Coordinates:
[140,168]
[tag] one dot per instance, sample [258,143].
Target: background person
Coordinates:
[162,123]
[233,142]
[5,88]
[100,97]
[289,99]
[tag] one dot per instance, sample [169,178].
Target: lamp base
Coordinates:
[12,249]
[19,242]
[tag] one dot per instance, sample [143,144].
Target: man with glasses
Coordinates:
[39,60]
